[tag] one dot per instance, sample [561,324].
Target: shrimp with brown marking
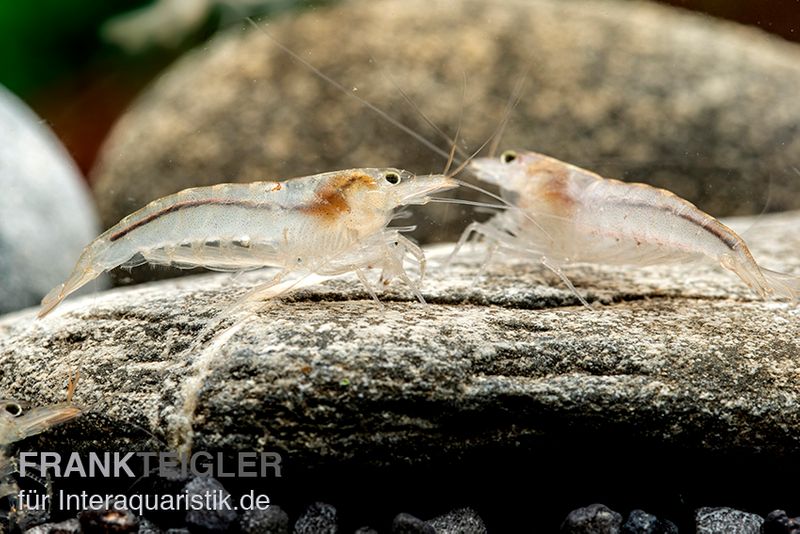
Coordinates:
[326,225]
[575,215]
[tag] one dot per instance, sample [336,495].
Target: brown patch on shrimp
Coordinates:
[552,184]
[332,197]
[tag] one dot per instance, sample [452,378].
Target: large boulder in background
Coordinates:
[46,213]
[631,89]
[677,385]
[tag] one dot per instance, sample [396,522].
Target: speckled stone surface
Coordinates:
[683,355]
[713,520]
[630,89]
[675,386]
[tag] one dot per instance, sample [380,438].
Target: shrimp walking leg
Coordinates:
[487,259]
[560,273]
[395,253]
[368,285]
[416,252]
[480,230]
[276,288]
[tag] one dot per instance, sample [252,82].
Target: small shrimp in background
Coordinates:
[322,225]
[581,217]
[17,424]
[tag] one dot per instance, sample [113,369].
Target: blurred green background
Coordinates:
[79,63]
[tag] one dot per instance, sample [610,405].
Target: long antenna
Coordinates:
[349,93]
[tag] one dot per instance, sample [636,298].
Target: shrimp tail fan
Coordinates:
[783,284]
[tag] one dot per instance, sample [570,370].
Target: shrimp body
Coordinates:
[15,425]
[568,214]
[304,224]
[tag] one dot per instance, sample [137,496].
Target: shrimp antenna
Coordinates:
[344,90]
[513,102]
[428,121]
[425,142]
[454,143]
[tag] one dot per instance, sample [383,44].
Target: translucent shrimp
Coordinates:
[326,224]
[15,425]
[582,217]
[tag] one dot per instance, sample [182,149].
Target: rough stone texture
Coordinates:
[319,518]
[689,340]
[463,521]
[404,523]
[592,519]
[208,520]
[46,213]
[640,522]
[728,520]
[672,358]
[70,526]
[108,522]
[629,89]
[147,527]
[778,522]
[273,520]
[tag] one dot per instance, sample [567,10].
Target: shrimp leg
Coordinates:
[278,287]
[415,251]
[557,270]
[370,289]
[473,228]
[396,247]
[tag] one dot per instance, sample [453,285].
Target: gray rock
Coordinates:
[778,522]
[148,527]
[463,521]
[46,212]
[592,519]
[215,517]
[726,521]
[631,89]
[640,522]
[404,523]
[319,518]
[678,357]
[70,526]
[273,520]
[108,521]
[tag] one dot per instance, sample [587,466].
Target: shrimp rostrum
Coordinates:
[571,215]
[326,224]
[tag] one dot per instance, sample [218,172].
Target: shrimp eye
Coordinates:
[13,409]
[392,177]
[508,156]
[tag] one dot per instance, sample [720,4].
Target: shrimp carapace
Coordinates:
[309,223]
[581,217]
